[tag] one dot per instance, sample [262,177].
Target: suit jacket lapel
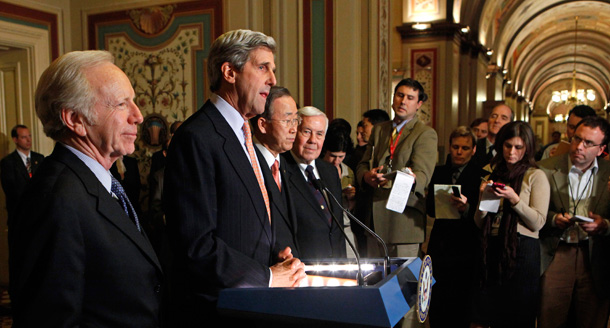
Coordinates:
[302,186]
[383,145]
[106,205]
[238,159]
[290,211]
[275,195]
[406,130]
[20,166]
[327,175]
[599,187]
[560,181]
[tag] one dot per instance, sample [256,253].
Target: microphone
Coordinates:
[319,184]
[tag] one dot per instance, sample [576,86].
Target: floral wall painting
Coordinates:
[163,50]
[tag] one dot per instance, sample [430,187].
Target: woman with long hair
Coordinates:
[507,289]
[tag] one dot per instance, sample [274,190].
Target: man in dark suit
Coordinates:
[217,208]
[319,236]
[77,254]
[453,242]
[18,167]
[575,290]
[500,115]
[275,130]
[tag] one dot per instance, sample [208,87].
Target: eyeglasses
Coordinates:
[289,123]
[587,143]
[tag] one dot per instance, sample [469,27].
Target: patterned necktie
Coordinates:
[319,197]
[119,192]
[275,170]
[255,167]
[455,174]
[28,166]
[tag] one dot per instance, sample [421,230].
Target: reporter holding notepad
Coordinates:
[507,290]
[453,242]
[574,253]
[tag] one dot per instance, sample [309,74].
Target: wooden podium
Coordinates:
[381,303]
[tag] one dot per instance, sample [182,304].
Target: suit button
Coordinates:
[157,288]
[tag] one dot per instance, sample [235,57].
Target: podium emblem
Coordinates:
[424,289]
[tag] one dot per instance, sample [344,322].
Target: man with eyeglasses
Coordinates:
[318,235]
[275,130]
[574,252]
[575,115]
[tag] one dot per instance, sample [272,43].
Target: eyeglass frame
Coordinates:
[586,143]
[289,123]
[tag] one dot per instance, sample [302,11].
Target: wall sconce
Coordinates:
[465,30]
[489,52]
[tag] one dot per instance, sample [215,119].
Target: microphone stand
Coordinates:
[386,259]
[319,185]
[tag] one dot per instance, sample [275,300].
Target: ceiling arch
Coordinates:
[533,42]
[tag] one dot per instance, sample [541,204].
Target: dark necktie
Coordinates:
[119,192]
[455,174]
[319,197]
[28,166]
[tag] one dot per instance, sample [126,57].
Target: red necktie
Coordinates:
[255,167]
[275,170]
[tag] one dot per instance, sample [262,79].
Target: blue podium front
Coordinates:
[379,304]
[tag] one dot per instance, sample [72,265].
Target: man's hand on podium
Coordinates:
[289,272]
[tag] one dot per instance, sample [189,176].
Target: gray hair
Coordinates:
[64,85]
[234,47]
[308,111]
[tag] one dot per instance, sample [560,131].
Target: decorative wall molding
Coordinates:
[424,64]
[384,85]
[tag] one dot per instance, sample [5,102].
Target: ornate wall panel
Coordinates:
[163,50]
[424,66]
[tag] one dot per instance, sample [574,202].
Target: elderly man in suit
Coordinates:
[78,256]
[394,145]
[575,288]
[319,236]
[500,115]
[18,167]
[275,130]
[218,212]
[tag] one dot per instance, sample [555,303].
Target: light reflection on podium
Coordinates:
[320,275]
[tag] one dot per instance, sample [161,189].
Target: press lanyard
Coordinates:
[394,143]
[581,194]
